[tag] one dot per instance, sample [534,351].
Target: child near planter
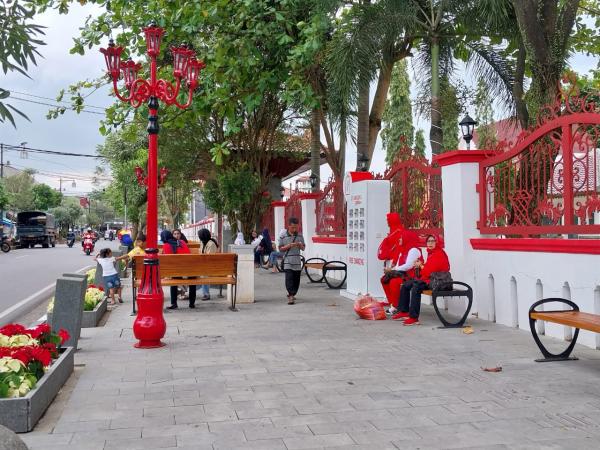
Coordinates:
[110,275]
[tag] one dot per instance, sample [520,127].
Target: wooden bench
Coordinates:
[467,292]
[193,269]
[570,318]
[325,266]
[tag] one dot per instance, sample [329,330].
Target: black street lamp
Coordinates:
[314,180]
[362,162]
[467,128]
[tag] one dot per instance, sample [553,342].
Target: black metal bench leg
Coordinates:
[551,357]
[461,321]
[233,297]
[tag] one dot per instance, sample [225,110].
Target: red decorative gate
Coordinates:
[416,194]
[268,221]
[548,182]
[331,211]
[293,208]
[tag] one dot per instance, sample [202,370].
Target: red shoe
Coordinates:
[400,316]
[411,321]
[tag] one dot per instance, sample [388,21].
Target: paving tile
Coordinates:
[325,440]
[141,444]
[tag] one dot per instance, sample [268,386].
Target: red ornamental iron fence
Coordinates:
[331,211]
[416,194]
[293,208]
[548,182]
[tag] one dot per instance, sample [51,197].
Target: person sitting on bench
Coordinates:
[410,293]
[408,254]
[172,246]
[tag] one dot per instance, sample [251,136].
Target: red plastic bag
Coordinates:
[369,309]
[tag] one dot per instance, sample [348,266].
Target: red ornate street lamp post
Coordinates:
[150,326]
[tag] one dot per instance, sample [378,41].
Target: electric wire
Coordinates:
[54,105]
[21,148]
[54,100]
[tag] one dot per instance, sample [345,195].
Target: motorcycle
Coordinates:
[71,241]
[5,245]
[88,246]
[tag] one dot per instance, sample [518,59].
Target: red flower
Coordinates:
[64,336]
[51,347]
[41,329]
[23,354]
[91,286]
[40,354]
[5,351]
[11,329]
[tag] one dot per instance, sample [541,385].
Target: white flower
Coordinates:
[21,340]
[8,364]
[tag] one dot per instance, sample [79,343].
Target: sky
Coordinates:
[79,133]
[71,132]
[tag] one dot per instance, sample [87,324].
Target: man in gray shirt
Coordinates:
[291,244]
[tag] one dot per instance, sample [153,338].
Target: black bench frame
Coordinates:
[328,266]
[468,292]
[549,357]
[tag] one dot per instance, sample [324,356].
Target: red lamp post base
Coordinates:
[149,344]
[149,326]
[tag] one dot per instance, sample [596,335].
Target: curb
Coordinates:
[27,305]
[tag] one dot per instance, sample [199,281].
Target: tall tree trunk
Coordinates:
[341,166]
[362,137]
[436,133]
[518,89]
[379,100]
[315,148]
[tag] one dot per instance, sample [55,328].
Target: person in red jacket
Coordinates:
[173,246]
[410,293]
[403,267]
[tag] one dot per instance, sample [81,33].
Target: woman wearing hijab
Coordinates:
[256,241]
[409,253]
[410,293]
[207,245]
[172,246]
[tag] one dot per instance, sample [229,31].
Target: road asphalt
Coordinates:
[26,272]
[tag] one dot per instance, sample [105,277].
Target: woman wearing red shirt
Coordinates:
[410,293]
[173,246]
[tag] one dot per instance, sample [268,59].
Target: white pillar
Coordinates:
[309,221]
[279,215]
[460,176]
[245,273]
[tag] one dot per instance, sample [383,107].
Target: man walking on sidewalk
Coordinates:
[291,243]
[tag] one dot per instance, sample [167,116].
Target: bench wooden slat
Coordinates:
[314,265]
[194,281]
[575,319]
[214,265]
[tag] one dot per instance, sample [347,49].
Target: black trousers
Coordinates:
[410,297]
[292,281]
[191,292]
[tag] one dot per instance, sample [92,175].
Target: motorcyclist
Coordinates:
[70,237]
[89,234]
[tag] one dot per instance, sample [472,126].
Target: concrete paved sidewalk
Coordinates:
[312,375]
